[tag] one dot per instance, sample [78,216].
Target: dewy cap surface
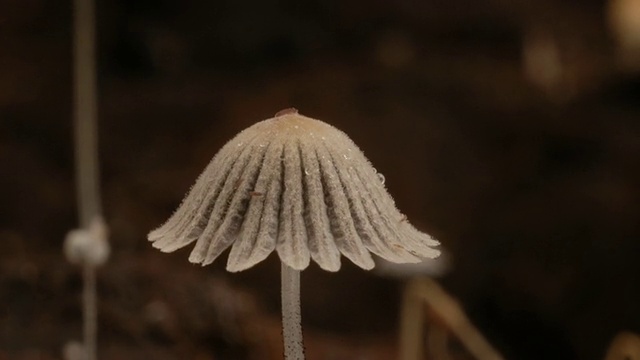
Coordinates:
[300,187]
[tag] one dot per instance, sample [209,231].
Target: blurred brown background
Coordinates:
[510,130]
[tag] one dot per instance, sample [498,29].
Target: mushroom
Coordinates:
[300,187]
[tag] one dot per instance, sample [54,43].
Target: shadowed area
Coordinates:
[507,130]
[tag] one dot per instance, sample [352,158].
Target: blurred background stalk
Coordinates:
[86,153]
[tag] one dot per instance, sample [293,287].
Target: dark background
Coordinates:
[528,175]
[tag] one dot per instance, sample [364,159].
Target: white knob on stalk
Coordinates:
[88,245]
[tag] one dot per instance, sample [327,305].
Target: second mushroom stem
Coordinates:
[291,316]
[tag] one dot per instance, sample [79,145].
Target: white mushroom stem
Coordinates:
[85,113]
[90,312]
[291,317]
[86,153]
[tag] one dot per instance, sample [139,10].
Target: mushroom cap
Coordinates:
[298,186]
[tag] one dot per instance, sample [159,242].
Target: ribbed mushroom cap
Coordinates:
[298,186]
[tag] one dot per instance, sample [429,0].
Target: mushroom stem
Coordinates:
[86,154]
[291,318]
[90,312]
